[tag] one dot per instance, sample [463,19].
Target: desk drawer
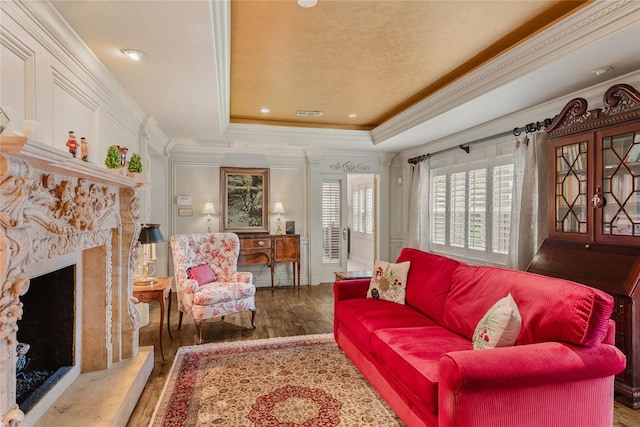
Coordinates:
[255,243]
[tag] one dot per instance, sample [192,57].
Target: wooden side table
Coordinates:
[350,275]
[286,248]
[158,290]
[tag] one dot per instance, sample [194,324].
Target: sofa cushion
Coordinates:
[551,309]
[428,280]
[361,317]
[389,281]
[412,356]
[499,327]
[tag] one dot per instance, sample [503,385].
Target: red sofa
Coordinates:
[420,356]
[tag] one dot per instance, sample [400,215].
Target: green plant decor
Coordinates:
[135,165]
[113,158]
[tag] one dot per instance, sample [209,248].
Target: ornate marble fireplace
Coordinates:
[56,211]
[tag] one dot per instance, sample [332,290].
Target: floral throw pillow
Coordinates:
[201,274]
[500,326]
[389,281]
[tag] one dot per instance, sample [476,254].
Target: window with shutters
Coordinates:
[362,209]
[471,210]
[331,226]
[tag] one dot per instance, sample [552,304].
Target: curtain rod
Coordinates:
[531,127]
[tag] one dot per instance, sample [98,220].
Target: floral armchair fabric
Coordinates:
[231,291]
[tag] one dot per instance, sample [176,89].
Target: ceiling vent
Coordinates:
[306,113]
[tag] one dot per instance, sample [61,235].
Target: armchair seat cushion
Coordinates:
[221,292]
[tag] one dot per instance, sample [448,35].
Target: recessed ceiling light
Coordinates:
[600,71]
[265,110]
[133,54]
[352,115]
[307,3]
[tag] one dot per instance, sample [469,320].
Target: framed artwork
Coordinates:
[245,200]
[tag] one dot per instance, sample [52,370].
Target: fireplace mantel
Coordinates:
[56,209]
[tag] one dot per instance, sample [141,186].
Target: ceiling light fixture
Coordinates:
[134,54]
[600,71]
[307,3]
[264,110]
[309,113]
[352,115]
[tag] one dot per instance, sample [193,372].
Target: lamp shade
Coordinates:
[208,209]
[150,233]
[278,208]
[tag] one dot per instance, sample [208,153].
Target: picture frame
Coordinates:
[245,200]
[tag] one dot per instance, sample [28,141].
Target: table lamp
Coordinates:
[278,209]
[208,210]
[149,235]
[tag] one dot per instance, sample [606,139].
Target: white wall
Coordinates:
[47,75]
[198,176]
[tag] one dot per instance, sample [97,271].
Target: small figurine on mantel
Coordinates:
[72,144]
[123,155]
[84,149]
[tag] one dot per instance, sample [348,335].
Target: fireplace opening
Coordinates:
[45,335]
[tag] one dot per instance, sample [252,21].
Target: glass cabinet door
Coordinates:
[571,188]
[621,184]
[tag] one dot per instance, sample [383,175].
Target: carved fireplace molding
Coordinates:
[52,206]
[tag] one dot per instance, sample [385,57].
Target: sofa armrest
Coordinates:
[350,289]
[535,376]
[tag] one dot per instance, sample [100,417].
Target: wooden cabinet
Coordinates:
[263,248]
[594,213]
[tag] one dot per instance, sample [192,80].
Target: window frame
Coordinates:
[443,168]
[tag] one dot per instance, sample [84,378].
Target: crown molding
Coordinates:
[502,127]
[577,31]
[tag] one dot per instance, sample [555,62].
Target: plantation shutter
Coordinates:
[331,222]
[457,209]
[477,209]
[501,220]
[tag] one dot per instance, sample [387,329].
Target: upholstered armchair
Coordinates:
[207,282]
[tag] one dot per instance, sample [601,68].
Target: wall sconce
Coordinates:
[208,210]
[149,235]
[278,209]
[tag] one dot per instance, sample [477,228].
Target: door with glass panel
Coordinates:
[334,226]
[618,176]
[596,178]
[572,179]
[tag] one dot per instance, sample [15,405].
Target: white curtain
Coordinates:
[419,217]
[529,220]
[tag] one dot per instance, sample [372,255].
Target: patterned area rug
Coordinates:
[303,381]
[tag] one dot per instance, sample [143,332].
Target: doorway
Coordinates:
[348,223]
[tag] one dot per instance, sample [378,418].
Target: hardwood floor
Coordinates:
[283,311]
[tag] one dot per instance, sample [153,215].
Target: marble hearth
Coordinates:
[57,211]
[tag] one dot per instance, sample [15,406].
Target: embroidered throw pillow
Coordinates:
[500,326]
[201,274]
[389,281]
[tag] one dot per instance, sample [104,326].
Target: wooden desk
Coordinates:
[263,248]
[158,290]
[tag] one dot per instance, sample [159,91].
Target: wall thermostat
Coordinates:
[183,200]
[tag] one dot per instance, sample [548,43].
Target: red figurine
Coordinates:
[72,143]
